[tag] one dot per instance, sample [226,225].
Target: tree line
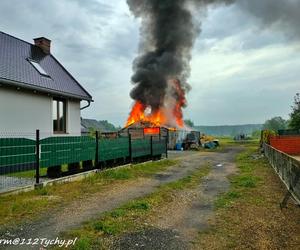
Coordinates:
[277,123]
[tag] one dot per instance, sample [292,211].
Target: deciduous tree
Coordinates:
[295,115]
[275,123]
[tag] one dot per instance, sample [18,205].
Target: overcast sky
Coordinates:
[244,69]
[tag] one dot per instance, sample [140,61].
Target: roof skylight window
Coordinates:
[38,67]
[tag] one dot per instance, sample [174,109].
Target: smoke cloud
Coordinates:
[282,15]
[167,35]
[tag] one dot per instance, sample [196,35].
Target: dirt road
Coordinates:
[178,223]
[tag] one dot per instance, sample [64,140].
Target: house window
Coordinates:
[59,115]
[38,67]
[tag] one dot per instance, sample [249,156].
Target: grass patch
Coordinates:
[227,199]
[83,243]
[107,227]
[24,206]
[42,191]
[132,171]
[148,169]
[118,213]
[139,205]
[247,181]
[228,141]
[248,216]
[121,174]
[130,216]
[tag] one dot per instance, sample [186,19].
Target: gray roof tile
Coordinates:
[15,67]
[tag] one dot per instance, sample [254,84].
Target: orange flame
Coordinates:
[137,114]
[181,102]
[162,116]
[153,130]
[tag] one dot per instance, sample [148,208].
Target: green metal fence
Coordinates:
[141,147]
[71,149]
[159,147]
[16,154]
[110,149]
[66,150]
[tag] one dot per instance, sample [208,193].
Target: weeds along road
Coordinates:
[178,223]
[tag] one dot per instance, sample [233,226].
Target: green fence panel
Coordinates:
[141,147]
[158,147]
[67,149]
[110,149]
[15,151]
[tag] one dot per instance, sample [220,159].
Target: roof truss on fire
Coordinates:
[142,124]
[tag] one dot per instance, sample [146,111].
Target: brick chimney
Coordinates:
[43,43]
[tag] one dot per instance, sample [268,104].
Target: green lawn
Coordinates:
[228,141]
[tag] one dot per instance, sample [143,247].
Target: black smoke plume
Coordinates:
[168,32]
[167,36]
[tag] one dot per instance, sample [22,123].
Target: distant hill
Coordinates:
[103,126]
[229,130]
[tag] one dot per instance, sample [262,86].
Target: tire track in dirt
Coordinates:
[179,222]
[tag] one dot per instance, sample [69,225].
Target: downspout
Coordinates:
[84,107]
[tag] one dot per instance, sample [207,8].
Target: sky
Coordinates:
[244,68]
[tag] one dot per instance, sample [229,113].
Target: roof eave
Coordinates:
[43,90]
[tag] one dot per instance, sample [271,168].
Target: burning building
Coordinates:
[168,113]
[167,34]
[161,69]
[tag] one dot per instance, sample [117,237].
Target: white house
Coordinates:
[36,91]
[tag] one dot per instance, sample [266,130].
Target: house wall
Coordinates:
[287,144]
[73,118]
[24,112]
